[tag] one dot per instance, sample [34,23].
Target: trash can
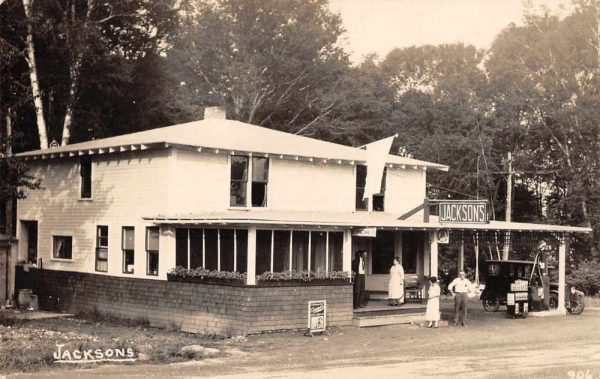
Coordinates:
[24,298]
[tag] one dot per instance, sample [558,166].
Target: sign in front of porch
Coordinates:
[463,211]
[317,321]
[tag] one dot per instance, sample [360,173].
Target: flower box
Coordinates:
[205,280]
[302,283]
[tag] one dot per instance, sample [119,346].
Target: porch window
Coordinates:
[300,250]
[62,247]
[128,248]
[361,179]
[196,248]
[226,249]
[152,244]
[85,171]
[211,249]
[281,250]
[239,181]
[102,248]
[318,249]
[181,248]
[263,251]
[336,251]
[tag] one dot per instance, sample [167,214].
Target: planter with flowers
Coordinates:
[302,278]
[202,275]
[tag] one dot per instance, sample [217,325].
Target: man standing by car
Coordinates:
[460,288]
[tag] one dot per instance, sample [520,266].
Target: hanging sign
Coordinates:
[468,212]
[364,232]
[317,316]
[443,236]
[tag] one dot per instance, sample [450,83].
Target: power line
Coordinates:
[451,190]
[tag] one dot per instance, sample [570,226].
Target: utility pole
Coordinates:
[508,217]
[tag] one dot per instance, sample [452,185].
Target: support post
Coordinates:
[477,260]
[433,253]
[562,252]
[461,255]
[347,252]
[251,261]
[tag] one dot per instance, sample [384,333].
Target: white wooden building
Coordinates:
[228,196]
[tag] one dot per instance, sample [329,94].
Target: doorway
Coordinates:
[30,235]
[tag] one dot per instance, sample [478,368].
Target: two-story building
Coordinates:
[116,214]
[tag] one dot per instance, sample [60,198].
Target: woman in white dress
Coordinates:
[396,284]
[433,303]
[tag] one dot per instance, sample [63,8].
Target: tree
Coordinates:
[268,62]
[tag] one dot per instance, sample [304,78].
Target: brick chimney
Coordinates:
[212,113]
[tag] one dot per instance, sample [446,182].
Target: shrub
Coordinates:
[586,277]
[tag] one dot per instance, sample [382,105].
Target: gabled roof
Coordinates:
[226,135]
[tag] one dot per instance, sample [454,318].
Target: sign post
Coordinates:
[317,317]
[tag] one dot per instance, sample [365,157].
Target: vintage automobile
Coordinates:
[500,274]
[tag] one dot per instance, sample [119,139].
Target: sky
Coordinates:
[381,25]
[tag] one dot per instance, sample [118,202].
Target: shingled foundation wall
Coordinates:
[192,307]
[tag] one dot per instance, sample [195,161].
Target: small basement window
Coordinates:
[62,247]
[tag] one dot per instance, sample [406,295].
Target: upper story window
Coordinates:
[378,198]
[240,191]
[85,171]
[62,247]
[361,179]
[260,178]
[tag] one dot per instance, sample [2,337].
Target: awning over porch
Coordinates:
[349,219]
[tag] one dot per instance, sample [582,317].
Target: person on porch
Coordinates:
[359,265]
[459,288]
[396,284]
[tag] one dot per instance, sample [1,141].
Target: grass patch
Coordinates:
[29,345]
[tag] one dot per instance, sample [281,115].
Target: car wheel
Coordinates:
[491,302]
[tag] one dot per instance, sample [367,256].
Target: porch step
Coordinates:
[380,313]
[380,320]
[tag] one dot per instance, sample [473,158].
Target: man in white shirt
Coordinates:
[359,265]
[460,287]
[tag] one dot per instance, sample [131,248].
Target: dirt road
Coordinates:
[490,346]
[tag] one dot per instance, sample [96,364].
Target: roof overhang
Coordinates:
[350,220]
[72,151]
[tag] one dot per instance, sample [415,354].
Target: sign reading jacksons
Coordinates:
[471,212]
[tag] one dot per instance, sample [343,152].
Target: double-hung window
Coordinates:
[152,238]
[102,248]
[378,199]
[260,179]
[85,171]
[62,247]
[240,192]
[239,181]
[128,247]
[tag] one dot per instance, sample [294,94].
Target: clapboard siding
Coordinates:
[125,187]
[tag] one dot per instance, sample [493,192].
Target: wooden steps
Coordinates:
[379,313]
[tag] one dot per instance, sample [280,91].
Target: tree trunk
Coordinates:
[72,100]
[33,77]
